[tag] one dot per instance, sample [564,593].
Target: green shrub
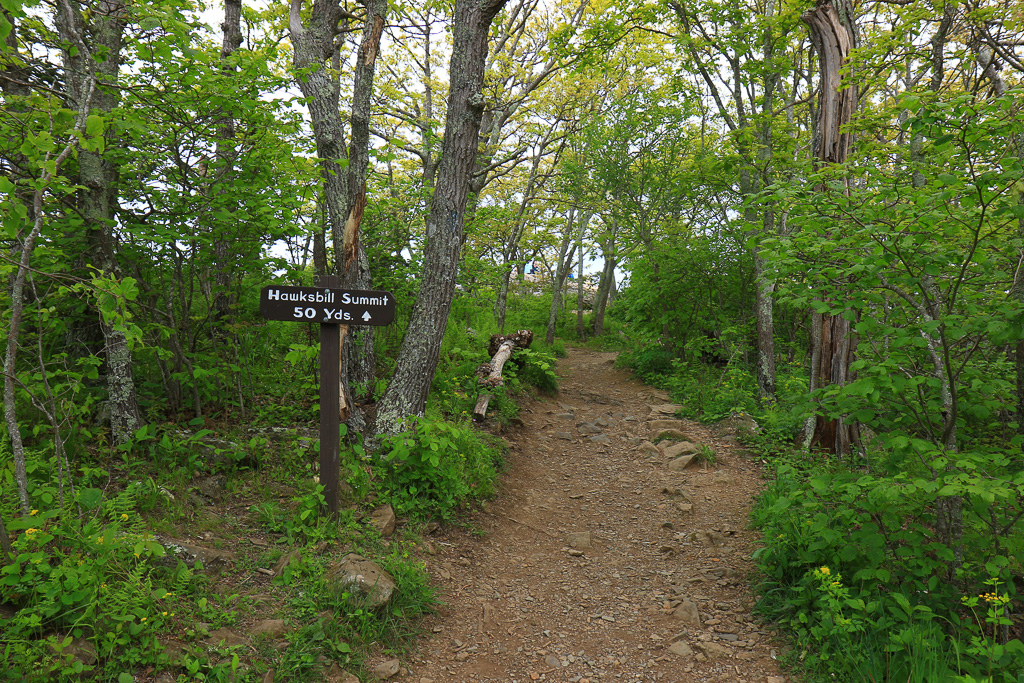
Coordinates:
[852,566]
[434,467]
[535,368]
[84,571]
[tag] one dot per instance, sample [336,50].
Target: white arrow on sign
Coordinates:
[366,316]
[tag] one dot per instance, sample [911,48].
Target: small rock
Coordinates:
[294,556]
[212,487]
[588,428]
[776,679]
[386,670]
[685,507]
[687,613]
[191,554]
[383,520]
[649,448]
[679,464]
[659,425]
[673,435]
[357,574]
[741,424]
[271,627]
[552,661]
[601,439]
[579,540]
[713,650]
[723,478]
[338,675]
[226,636]
[566,416]
[665,409]
[680,648]
[79,648]
[681,448]
[267,677]
[564,436]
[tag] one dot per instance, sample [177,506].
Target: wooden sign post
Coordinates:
[332,308]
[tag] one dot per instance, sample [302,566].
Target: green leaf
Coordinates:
[94,125]
[90,498]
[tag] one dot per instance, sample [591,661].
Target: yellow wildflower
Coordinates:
[124,517]
[825,571]
[33,513]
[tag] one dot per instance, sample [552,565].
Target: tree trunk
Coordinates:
[833,35]
[357,354]
[417,361]
[564,265]
[607,278]
[98,177]
[580,331]
[344,188]
[223,303]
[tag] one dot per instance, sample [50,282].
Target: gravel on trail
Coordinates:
[597,561]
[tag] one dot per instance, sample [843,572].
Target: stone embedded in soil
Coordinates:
[660,425]
[79,648]
[680,648]
[665,409]
[673,435]
[564,436]
[271,627]
[713,650]
[649,447]
[681,448]
[680,463]
[579,540]
[383,520]
[386,670]
[601,439]
[356,574]
[338,675]
[229,638]
[723,478]
[190,554]
[588,428]
[294,556]
[687,613]
[566,416]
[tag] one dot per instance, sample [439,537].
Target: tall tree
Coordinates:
[834,35]
[406,394]
[344,186]
[92,38]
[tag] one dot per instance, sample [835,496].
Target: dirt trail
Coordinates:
[666,549]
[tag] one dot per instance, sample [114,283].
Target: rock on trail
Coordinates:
[598,561]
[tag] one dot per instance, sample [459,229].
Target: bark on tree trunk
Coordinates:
[98,177]
[407,393]
[580,330]
[565,257]
[223,303]
[344,188]
[607,278]
[833,36]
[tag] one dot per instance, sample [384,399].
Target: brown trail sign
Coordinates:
[335,309]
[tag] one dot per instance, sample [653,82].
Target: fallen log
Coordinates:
[489,374]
